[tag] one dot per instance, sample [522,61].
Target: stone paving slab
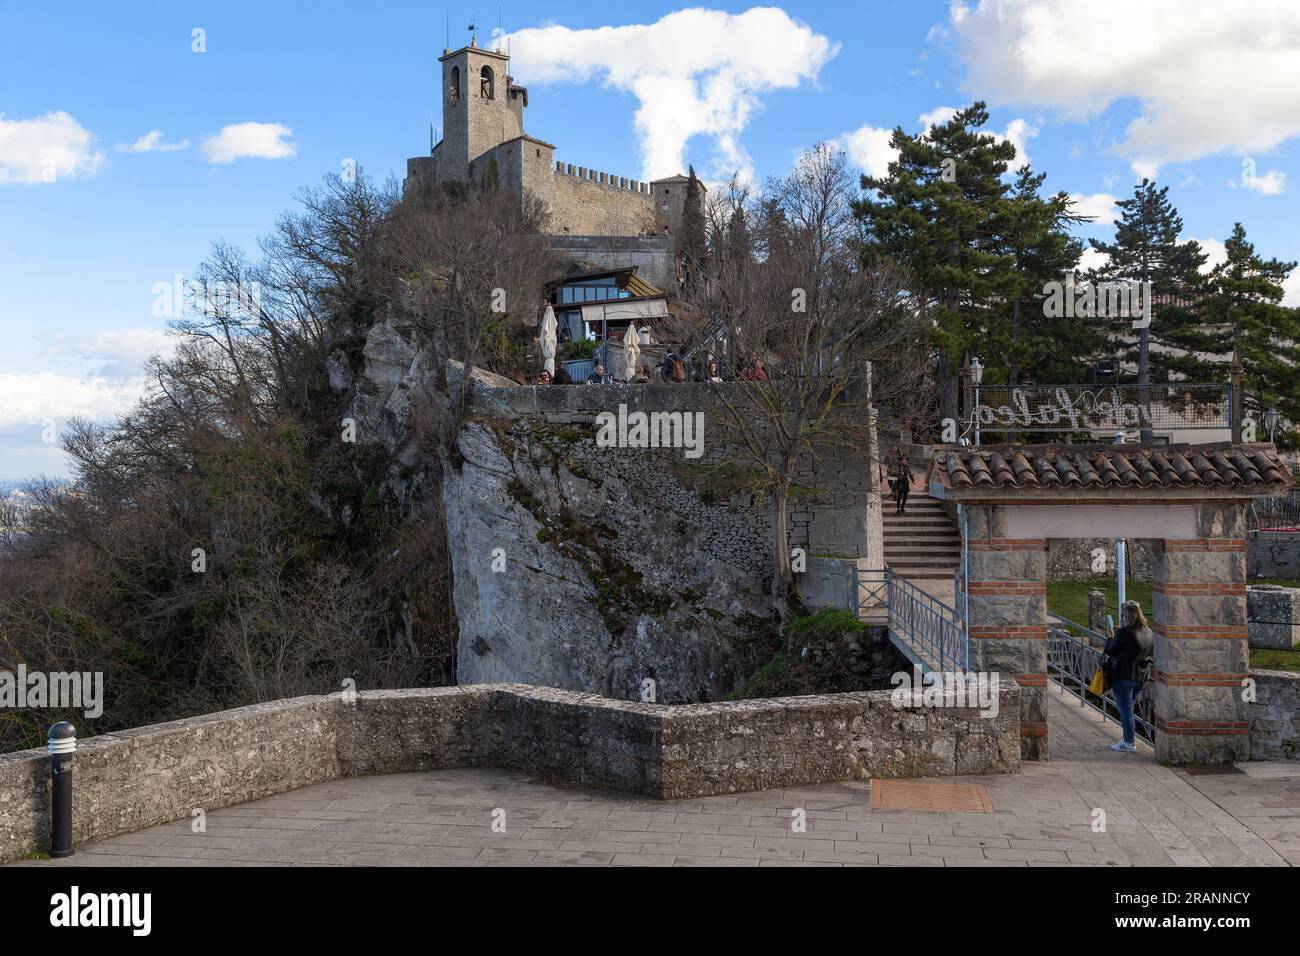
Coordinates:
[1051,814]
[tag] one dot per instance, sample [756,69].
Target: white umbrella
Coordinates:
[631,352]
[548,340]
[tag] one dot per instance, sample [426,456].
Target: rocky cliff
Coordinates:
[599,574]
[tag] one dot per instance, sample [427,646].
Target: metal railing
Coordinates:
[1071,662]
[1277,512]
[932,628]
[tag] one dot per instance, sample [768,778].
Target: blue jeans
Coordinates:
[1124,691]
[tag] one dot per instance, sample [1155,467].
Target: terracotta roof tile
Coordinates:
[1247,467]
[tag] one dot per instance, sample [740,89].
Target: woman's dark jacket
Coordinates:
[1127,649]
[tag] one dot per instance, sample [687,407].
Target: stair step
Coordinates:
[921,532]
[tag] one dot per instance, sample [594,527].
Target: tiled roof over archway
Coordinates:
[1252,469]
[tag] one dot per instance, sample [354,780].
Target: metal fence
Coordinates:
[1275,512]
[1071,662]
[931,627]
[1103,409]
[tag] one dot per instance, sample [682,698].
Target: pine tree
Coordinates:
[1243,311]
[938,213]
[691,239]
[1021,336]
[1146,249]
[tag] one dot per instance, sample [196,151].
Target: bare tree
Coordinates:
[475,265]
[833,339]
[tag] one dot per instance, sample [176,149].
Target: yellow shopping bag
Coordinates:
[1098,683]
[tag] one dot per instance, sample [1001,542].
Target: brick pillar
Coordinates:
[1201,654]
[1008,617]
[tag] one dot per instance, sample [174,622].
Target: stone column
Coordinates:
[1008,617]
[1201,652]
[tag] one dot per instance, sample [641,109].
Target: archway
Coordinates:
[1190,500]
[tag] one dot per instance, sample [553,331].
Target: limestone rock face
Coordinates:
[567,575]
[584,584]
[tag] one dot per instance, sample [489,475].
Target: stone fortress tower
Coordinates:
[484,141]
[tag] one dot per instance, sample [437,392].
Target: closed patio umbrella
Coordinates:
[631,353]
[548,340]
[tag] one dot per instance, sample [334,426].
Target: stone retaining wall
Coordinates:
[1275,716]
[840,514]
[1273,554]
[151,775]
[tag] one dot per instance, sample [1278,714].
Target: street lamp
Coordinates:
[1270,422]
[976,376]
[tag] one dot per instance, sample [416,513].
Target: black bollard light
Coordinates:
[62,746]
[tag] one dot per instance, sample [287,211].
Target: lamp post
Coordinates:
[976,376]
[1270,422]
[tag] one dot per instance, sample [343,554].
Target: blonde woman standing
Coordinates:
[1128,654]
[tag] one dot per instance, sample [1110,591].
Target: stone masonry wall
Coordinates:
[652,255]
[582,206]
[1008,617]
[1198,605]
[1273,554]
[840,518]
[151,775]
[1275,716]
[1070,559]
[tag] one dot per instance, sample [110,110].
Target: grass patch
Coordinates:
[838,658]
[1070,599]
[1274,660]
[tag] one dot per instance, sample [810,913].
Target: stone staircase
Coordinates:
[923,545]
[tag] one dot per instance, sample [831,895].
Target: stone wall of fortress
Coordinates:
[589,203]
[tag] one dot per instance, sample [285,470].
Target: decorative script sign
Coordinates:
[1105,409]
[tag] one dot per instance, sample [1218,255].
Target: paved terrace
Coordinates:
[1041,817]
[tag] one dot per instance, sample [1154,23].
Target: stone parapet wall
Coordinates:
[583,206]
[138,778]
[151,775]
[652,255]
[1275,716]
[1273,554]
[840,516]
[1273,616]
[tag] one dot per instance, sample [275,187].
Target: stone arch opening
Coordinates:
[453,88]
[487,83]
[1186,502]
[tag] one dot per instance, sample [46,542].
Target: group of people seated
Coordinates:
[673,368]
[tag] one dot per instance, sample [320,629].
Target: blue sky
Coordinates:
[1097,91]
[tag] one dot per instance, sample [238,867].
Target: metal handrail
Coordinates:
[933,628]
[1071,662]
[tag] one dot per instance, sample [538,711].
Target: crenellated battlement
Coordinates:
[603,179]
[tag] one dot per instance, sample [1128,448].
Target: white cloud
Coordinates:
[249,141]
[1019,133]
[97,376]
[1270,184]
[1092,259]
[1204,81]
[1291,289]
[113,353]
[695,73]
[936,116]
[868,147]
[1099,205]
[34,399]
[1217,253]
[152,142]
[46,149]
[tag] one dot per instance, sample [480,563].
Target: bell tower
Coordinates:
[476,107]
